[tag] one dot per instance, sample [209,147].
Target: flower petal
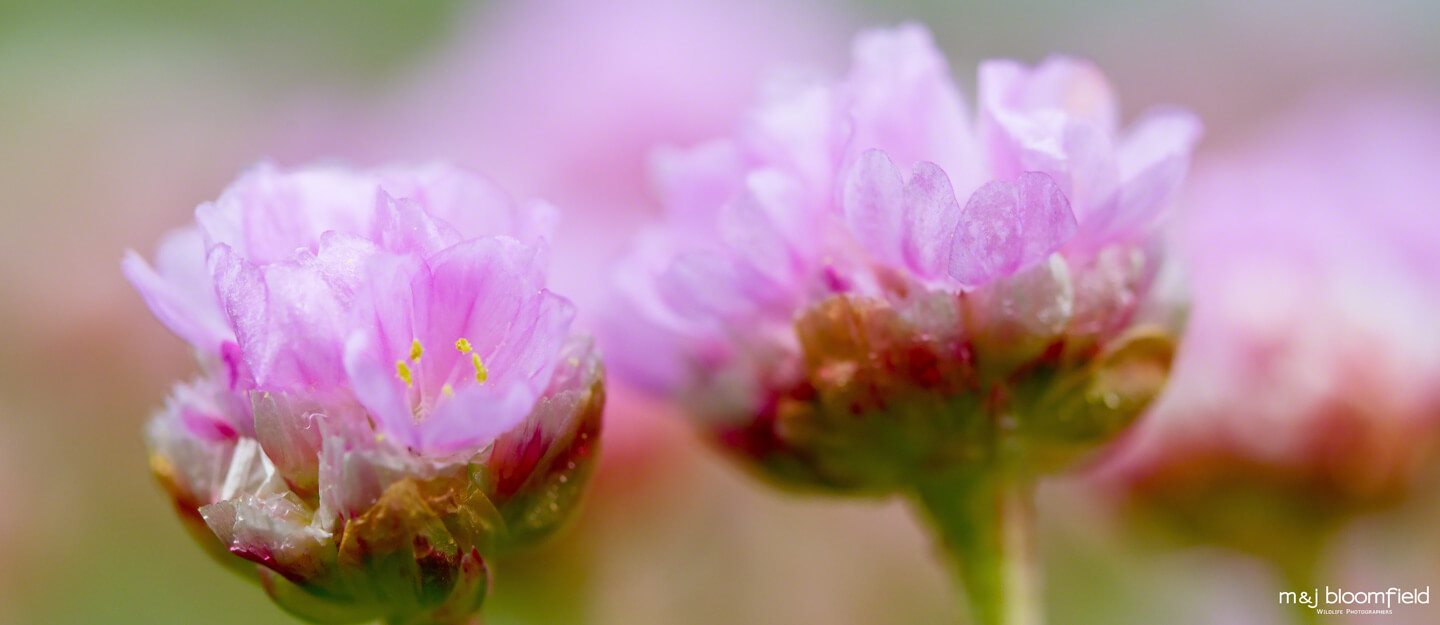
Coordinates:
[179,291]
[1008,226]
[474,417]
[932,214]
[476,291]
[473,204]
[1153,158]
[873,198]
[906,103]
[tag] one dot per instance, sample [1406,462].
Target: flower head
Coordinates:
[388,392]
[648,71]
[853,284]
[1308,381]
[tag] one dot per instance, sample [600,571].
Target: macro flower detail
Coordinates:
[826,241]
[867,289]
[388,393]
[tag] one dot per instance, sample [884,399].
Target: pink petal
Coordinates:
[799,133]
[289,316]
[905,102]
[763,225]
[473,204]
[474,417]
[476,291]
[532,344]
[873,198]
[643,334]
[179,291]
[1153,159]
[1007,226]
[402,226]
[1057,119]
[706,285]
[243,296]
[1072,87]
[279,213]
[931,213]
[381,391]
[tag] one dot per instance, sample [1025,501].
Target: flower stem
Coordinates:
[985,522]
[474,619]
[1299,570]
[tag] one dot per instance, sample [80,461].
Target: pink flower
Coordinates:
[382,368]
[564,99]
[870,233]
[1310,372]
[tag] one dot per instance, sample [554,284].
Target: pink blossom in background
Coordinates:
[361,334]
[1037,206]
[1313,363]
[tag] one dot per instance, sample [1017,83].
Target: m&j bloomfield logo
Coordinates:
[1356,602]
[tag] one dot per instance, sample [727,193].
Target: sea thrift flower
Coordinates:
[865,289]
[1306,390]
[863,257]
[388,393]
[564,99]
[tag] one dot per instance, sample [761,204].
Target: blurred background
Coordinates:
[118,118]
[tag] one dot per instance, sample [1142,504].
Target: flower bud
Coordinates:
[862,285]
[1308,394]
[389,395]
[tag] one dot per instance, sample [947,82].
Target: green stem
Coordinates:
[469,620]
[1299,570]
[472,619]
[985,521]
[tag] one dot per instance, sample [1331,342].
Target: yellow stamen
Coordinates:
[415,350]
[481,373]
[463,345]
[404,372]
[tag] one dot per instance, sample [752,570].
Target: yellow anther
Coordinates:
[481,373]
[415,350]
[404,372]
[463,345]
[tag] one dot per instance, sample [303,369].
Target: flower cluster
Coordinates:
[1305,392]
[388,393]
[864,283]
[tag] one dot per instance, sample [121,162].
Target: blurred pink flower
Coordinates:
[876,202]
[381,363]
[1311,369]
